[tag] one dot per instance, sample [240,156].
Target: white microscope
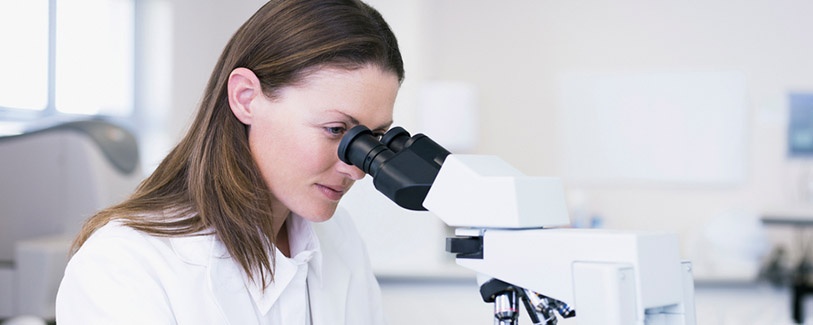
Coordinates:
[502,219]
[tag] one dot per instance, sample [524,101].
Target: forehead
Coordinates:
[365,95]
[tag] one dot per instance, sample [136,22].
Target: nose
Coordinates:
[350,171]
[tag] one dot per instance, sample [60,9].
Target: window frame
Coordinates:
[50,110]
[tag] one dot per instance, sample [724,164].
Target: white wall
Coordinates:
[180,44]
[201,30]
[515,53]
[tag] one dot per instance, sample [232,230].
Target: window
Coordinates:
[24,60]
[67,57]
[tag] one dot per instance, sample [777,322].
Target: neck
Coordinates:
[281,216]
[282,242]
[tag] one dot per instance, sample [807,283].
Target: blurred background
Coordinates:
[694,117]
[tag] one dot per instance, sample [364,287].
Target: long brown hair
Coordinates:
[209,182]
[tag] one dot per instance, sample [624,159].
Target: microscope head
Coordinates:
[403,167]
[463,190]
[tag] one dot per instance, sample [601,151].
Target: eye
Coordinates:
[335,131]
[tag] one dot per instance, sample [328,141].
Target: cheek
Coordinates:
[271,153]
[291,155]
[318,155]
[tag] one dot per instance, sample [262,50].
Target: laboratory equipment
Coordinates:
[55,174]
[508,230]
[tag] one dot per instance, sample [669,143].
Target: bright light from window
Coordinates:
[24,55]
[94,61]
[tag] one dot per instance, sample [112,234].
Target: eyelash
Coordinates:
[332,131]
[335,131]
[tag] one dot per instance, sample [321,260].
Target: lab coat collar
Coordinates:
[306,240]
[228,282]
[198,248]
[225,278]
[328,291]
[304,248]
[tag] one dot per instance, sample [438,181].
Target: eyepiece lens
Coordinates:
[395,139]
[361,148]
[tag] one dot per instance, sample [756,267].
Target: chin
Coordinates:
[319,215]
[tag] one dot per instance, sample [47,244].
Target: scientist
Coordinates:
[239,223]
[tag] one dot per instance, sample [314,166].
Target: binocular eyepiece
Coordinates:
[403,167]
[361,148]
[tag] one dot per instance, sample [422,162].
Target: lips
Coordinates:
[332,192]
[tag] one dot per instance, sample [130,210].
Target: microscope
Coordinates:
[510,229]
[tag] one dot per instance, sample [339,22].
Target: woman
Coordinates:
[238,224]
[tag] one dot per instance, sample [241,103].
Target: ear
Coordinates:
[243,88]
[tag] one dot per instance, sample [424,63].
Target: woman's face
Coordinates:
[294,137]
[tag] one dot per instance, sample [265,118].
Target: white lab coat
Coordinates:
[122,276]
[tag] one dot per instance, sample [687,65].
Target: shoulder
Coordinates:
[117,239]
[114,259]
[117,250]
[115,229]
[118,244]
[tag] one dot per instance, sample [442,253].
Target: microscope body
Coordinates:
[506,229]
[608,276]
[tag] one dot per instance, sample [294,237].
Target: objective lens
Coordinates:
[505,307]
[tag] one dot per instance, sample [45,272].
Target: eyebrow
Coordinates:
[355,122]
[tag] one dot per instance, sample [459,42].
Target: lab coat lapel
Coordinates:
[229,289]
[328,290]
[225,279]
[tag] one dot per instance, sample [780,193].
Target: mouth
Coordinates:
[332,192]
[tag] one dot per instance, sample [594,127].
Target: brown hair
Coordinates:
[209,181]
